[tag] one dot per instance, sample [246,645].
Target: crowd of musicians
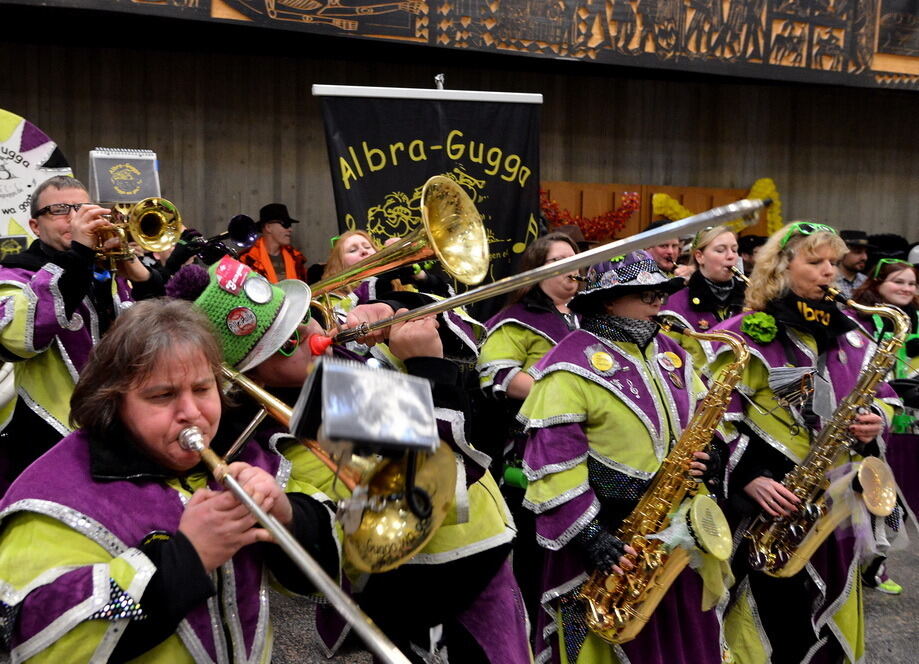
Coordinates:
[677,383]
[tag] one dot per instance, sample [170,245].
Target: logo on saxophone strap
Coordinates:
[810,314]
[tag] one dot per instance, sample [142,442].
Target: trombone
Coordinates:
[451,230]
[743,209]
[191,439]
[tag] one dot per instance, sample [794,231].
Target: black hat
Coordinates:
[634,273]
[275,212]
[855,239]
[747,243]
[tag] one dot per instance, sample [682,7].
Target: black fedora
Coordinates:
[275,212]
[856,239]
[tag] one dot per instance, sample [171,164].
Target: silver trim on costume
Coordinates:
[561,499]
[536,474]
[572,530]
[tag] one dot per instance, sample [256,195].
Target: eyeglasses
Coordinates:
[285,224]
[888,261]
[804,228]
[290,346]
[60,209]
[650,297]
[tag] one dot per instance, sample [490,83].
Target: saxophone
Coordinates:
[781,546]
[618,607]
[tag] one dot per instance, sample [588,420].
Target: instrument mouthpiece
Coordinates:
[578,278]
[191,439]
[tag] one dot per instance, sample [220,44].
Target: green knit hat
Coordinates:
[251,317]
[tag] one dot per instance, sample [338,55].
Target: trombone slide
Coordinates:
[382,647]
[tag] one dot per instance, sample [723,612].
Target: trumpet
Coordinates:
[192,439]
[153,223]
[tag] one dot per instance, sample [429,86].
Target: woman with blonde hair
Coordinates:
[806,356]
[712,293]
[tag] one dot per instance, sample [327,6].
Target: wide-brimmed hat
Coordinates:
[275,212]
[252,318]
[633,273]
[856,239]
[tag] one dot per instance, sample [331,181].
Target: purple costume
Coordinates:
[94,510]
[601,418]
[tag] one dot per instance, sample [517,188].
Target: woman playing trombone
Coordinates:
[140,556]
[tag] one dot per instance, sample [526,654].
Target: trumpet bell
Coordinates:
[153,223]
[456,230]
[390,531]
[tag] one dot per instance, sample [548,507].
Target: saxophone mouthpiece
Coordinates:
[834,295]
[669,324]
[578,278]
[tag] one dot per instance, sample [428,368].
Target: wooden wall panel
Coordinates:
[236,130]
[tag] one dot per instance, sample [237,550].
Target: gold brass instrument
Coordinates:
[736,271]
[743,208]
[780,547]
[191,439]
[396,504]
[618,607]
[281,412]
[451,229]
[153,223]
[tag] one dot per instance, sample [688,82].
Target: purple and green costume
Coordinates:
[601,417]
[73,571]
[770,445]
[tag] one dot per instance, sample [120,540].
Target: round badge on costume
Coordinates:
[854,339]
[644,278]
[241,321]
[696,300]
[669,361]
[702,325]
[258,290]
[602,361]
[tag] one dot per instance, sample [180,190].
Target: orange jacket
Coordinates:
[258,259]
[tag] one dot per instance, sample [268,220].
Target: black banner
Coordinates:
[382,150]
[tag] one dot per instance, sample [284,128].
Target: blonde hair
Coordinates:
[769,279]
[704,238]
[336,262]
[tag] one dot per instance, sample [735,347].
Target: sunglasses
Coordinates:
[290,346]
[888,261]
[804,228]
[650,297]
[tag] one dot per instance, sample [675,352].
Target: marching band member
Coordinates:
[116,546]
[608,402]
[55,305]
[893,281]
[796,338]
[712,293]
[535,319]
[478,600]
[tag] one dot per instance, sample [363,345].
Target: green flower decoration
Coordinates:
[760,327]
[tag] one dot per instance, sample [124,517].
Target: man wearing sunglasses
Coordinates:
[852,265]
[54,305]
[272,255]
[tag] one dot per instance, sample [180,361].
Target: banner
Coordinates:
[382,150]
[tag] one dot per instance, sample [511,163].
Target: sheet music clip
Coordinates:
[349,407]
